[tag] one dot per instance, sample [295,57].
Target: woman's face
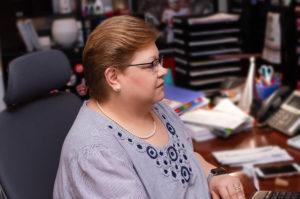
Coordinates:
[144,83]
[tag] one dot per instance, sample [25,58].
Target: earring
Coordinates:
[118,89]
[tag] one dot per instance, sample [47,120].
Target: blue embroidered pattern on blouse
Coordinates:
[171,160]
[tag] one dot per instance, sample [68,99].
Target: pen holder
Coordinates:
[264,91]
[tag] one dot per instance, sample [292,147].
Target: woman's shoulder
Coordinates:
[90,131]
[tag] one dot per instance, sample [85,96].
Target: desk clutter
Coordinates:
[258,155]
[223,120]
[267,82]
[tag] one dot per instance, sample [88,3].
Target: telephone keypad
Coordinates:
[283,120]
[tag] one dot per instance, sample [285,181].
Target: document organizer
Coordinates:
[197,41]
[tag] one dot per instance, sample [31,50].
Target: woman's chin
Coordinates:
[160,96]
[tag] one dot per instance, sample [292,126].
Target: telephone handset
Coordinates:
[272,104]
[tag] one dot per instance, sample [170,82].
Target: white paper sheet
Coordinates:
[200,133]
[259,155]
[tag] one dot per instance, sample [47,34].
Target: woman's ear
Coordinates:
[111,75]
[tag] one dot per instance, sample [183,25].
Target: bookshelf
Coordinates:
[199,44]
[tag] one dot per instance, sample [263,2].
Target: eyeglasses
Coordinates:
[153,65]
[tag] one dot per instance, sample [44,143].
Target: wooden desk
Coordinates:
[254,138]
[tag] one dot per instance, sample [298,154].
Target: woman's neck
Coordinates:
[125,111]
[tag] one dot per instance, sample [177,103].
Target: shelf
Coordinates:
[197,41]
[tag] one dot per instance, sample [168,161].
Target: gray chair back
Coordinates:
[34,126]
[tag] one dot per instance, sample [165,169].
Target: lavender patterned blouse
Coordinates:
[100,159]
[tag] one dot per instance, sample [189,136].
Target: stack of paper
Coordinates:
[224,116]
[259,155]
[199,133]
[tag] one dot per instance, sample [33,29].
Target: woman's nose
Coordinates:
[162,71]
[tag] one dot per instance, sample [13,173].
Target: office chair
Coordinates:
[34,126]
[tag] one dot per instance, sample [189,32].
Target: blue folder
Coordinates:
[181,94]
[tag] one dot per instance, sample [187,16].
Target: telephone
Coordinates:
[272,104]
[281,111]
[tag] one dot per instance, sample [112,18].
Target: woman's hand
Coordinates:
[226,187]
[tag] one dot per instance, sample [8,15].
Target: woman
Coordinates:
[124,143]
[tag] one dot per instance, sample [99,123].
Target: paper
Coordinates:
[226,106]
[213,119]
[225,116]
[200,133]
[247,96]
[249,170]
[259,155]
[216,18]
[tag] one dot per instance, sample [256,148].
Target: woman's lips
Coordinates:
[160,85]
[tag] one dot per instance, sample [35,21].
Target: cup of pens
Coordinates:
[267,83]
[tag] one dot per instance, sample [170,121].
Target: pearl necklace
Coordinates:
[146,137]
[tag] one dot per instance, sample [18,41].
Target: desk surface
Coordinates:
[250,139]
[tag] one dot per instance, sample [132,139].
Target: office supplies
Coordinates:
[287,118]
[200,133]
[264,90]
[248,169]
[196,103]
[224,119]
[276,171]
[294,142]
[266,73]
[198,39]
[272,104]
[275,195]
[214,119]
[247,96]
[258,155]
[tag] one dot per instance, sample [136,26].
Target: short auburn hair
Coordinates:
[113,43]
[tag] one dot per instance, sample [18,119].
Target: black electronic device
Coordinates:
[275,171]
[287,118]
[272,104]
[275,195]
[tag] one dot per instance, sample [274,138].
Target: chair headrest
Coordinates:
[36,74]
